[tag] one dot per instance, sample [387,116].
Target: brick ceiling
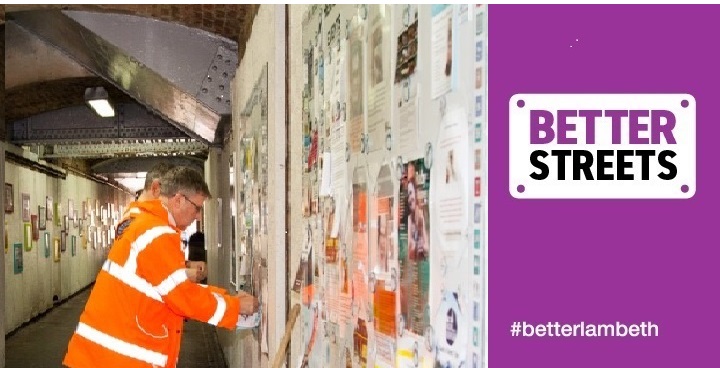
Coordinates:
[233,21]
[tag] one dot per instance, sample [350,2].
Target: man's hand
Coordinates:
[196,270]
[248,303]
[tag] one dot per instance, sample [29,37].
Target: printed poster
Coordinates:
[441,49]
[405,130]
[384,279]
[378,61]
[414,246]
[356,90]
[360,268]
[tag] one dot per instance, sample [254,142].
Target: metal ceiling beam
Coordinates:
[79,124]
[127,149]
[144,164]
[29,60]
[194,105]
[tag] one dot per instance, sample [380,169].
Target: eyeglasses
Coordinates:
[197,208]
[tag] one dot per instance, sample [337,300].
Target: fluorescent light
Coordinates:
[102,108]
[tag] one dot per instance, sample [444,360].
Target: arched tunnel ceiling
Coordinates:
[144,164]
[40,89]
[179,73]
[232,21]
[36,98]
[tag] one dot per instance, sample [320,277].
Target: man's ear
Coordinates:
[155,188]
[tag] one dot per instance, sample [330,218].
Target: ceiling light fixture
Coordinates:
[97,99]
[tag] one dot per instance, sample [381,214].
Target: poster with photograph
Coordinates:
[405,129]
[414,246]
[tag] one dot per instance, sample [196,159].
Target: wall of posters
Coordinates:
[392,164]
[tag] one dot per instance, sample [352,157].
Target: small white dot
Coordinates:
[576,40]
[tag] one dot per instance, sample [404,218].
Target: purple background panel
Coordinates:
[602,261]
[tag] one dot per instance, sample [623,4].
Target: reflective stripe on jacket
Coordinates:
[134,316]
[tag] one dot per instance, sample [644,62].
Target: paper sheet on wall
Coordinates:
[338,133]
[382,227]
[441,49]
[378,63]
[360,266]
[326,176]
[450,180]
[450,326]
[405,129]
[414,246]
[264,348]
[410,351]
[384,274]
[356,90]
[385,318]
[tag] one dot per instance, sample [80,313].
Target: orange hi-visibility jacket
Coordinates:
[135,313]
[132,211]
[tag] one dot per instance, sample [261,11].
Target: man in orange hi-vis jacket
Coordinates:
[134,317]
[197,271]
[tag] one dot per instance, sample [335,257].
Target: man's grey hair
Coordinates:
[183,180]
[156,172]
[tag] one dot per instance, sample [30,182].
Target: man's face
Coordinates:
[187,208]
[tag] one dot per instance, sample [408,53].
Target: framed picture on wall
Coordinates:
[56,249]
[47,244]
[27,236]
[26,207]
[9,198]
[84,209]
[75,218]
[7,238]
[35,227]
[42,221]
[65,223]
[18,253]
[73,250]
[56,213]
[48,208]
[63,241]
[71,208]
